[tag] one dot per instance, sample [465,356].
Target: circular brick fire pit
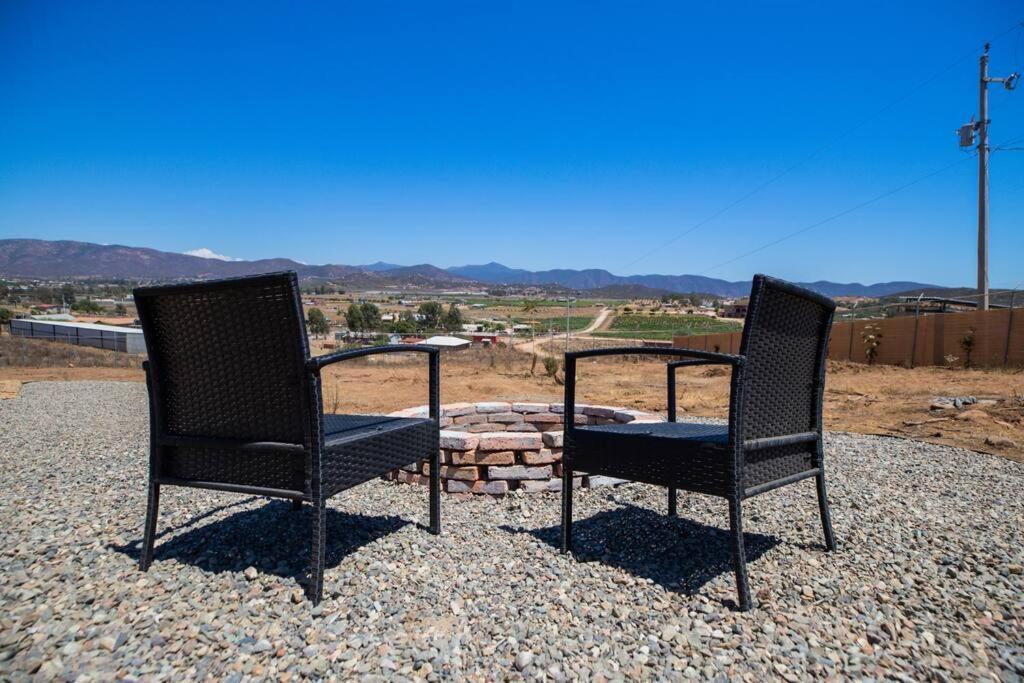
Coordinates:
[494,447]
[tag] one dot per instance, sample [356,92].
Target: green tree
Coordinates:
[431,312]
[68,292]
[86,306]
[371,316]
[403,326]
[354,318]
[453,319]
[5,316]
[120,310]
[317,321]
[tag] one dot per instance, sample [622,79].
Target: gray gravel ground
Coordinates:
[927,582]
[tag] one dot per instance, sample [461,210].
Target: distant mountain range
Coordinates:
[44,259]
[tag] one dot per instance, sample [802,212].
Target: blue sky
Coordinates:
[540,135]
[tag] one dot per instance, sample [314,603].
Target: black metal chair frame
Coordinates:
[719,468]
[313,469]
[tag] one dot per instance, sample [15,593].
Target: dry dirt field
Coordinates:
[882,400]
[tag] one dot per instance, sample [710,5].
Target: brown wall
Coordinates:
[938,335]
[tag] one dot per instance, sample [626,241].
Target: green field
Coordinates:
[666,326]
[493,302]
[576,322]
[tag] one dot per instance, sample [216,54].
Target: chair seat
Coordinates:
[339,429]
[693,432]
[685,455]
[358,448]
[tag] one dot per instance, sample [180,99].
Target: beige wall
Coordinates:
[938,335]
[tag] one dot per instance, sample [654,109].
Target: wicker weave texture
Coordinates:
[229,359]
[784,351]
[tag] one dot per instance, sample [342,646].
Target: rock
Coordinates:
[544,456]
[524,659]
[1000,441]
[462,473]
[472,418]
[483,428]
[493,488]
[510,441]
[522,427]
[250,573]
[530,407]
[493,407]
[457,409]
[484,458]
[458,441]
[505,418]
[542,417]
[601,411]
[553,439]
[519,472]
[598,481]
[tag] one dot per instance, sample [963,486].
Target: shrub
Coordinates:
[967,344]
[872,337]
[551,368]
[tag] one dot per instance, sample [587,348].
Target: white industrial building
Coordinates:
[127,339]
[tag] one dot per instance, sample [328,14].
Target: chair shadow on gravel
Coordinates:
[677,553]
[273,538]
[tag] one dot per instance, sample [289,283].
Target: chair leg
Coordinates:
[739,557]
[671,502]
[149,534]
[826,518]
[566,509]
[435,493]
[315,589]
[296,504]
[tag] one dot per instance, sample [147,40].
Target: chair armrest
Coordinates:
[692,356]
[675,365]
[318,363]
[655,351]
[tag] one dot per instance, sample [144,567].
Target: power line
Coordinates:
[835,216]
[850,210]
[906,95]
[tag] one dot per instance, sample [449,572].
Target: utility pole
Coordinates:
[967,140]
[983,183]
[567,300]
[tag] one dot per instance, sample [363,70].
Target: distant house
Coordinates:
[485,338]
[736,309]
[446,342]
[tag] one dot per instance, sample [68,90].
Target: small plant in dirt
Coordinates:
[967,344]
[872,338]
[551,368]
[950,359]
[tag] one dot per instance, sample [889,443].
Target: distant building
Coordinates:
[446,342]
[485,338]
[736,309]
[127,339]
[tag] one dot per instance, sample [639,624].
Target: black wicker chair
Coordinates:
[235,405]
[773,437]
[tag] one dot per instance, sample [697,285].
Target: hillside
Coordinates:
[44,259]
